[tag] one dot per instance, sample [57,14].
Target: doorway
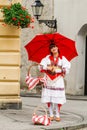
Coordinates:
[85,91]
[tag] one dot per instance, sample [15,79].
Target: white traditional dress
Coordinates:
[54,91]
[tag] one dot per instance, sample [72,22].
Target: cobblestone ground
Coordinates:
[72,114]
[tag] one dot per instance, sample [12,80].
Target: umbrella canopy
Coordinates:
[38,47]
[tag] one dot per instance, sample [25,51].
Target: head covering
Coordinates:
[52,44]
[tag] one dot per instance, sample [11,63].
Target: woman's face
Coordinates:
[54,50]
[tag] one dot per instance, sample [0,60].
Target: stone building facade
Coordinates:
[71,22]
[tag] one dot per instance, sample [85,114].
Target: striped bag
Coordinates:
[33,81]
[40,119]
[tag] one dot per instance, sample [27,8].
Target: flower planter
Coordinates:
[16,15]
[9,30]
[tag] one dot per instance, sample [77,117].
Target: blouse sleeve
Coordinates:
[44,62]
[66,65]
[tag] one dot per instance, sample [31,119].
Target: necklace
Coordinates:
[54,60]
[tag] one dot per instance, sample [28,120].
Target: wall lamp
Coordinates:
[37,8]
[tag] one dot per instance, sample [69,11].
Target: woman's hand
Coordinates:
[53,68]
[49,67]
[57,68]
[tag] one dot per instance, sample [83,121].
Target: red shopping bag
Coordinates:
[41,119]
[33,81]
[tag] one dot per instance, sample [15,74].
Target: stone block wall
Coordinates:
[9,62]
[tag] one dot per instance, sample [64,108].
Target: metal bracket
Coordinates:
[49,23]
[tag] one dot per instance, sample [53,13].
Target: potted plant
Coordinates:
[17,15]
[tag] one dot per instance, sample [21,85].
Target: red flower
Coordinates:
[9,7]
[23,8]
[28,25]
[32,20]
[27,16]
[22,18]
[4,24]
[18,23]
[14,19]
[32,27]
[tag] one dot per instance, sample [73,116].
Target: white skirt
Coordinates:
[54,91]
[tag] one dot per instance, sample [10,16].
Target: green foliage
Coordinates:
[17,15]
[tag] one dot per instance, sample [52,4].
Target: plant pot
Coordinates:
[9,30]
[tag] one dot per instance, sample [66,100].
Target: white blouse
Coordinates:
[63,62]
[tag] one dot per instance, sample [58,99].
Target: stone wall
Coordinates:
[28,33]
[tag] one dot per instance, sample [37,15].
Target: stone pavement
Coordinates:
[73,115]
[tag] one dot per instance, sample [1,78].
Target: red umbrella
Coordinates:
[38,47]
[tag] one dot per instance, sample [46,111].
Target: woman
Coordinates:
[55,68]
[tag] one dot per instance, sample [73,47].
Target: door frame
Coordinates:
[85,89]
